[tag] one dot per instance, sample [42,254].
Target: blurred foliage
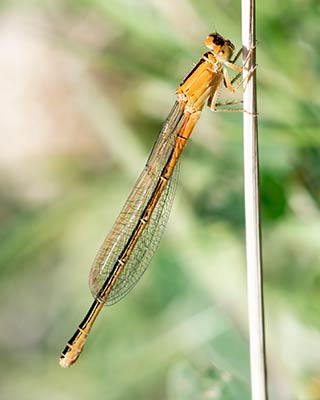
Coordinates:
[107,74]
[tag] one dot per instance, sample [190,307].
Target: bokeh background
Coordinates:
[85,86]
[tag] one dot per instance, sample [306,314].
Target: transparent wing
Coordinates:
[147,244]
[131,213]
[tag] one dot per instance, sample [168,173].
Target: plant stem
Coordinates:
[252,211]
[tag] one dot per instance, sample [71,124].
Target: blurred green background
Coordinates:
[85,87]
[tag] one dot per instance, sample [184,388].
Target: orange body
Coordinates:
[201,85]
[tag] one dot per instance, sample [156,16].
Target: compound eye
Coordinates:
[230,44]
[218,40]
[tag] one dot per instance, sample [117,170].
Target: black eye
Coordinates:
[218,40]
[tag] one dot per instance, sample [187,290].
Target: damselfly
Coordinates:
[127,250]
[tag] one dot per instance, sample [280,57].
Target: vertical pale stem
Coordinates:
[251,182]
